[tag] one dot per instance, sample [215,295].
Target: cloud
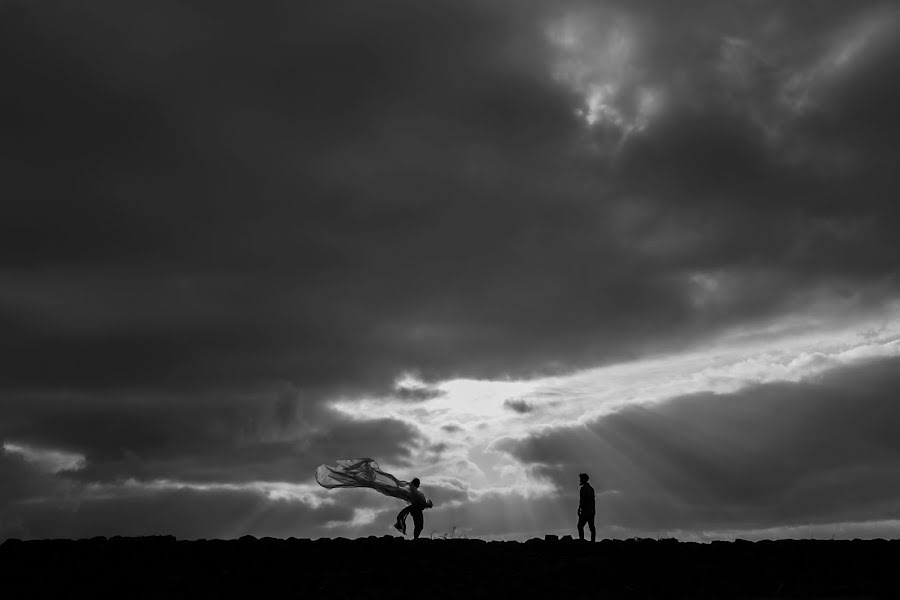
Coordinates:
[51,461]
[214,244]
[220,222]
[184,513]
[518,405]
[417,394]
[22,479]
[776,454]
[265,437]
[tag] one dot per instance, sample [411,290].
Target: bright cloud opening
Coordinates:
[52,461]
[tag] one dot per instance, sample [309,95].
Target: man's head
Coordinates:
[415,482]
[583,478]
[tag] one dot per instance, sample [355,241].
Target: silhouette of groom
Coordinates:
[586,507]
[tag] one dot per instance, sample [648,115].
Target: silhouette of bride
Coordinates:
[365,472]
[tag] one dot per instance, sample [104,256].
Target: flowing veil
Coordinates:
[365,473]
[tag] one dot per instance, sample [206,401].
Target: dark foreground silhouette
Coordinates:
[586,507]
[161,567]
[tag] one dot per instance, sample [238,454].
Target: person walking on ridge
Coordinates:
[586,509]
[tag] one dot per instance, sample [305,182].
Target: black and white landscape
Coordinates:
[492,244]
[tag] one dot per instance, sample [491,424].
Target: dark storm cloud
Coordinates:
[262,220]
[202,201]
[20,479]
[185,513]
[519,405]
[332,195]
[775,454]
[211,439]
[417,394]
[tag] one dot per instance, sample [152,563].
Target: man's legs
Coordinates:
[418,523]
[586,519]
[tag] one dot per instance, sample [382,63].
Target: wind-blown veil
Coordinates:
[364,473]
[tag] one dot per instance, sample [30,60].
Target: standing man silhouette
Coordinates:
[586,508]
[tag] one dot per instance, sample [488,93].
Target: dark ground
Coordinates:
[161,567]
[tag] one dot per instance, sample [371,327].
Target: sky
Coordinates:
[489,243]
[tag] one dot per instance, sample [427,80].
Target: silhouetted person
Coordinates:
[419,503]
[586,508]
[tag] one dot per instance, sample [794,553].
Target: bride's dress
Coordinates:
[363,472]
